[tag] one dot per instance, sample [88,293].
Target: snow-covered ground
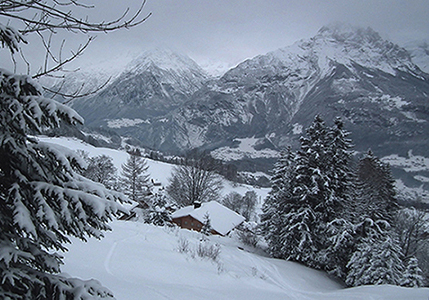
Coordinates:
[158,171]
[245,149]
[139,261]
[413,164]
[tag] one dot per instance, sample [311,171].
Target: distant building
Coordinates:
[141,206]
[222,219]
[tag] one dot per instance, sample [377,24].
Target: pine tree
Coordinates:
[43,200]
[341,235]
[412,276]
[206,229]
[157,213]
[135,179]
[276,203]
[339,170]
[313,203]
[342,239]
[308,208]
[376,261]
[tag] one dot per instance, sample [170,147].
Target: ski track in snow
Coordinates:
[108,259]
[108,263]
[267,274]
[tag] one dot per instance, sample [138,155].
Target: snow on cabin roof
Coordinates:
[222,219]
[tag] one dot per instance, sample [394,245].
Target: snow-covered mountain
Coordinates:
[151,85]
[168,103]
[351,72]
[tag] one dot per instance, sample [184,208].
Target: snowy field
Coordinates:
[139,261]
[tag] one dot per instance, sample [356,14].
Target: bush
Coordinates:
[247,234]
[210,251]
[202,250]
[183,245]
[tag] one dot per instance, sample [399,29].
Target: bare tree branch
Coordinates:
[77,93]
[41,16]
[61,63]
[49,17]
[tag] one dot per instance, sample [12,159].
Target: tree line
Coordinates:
[329,213]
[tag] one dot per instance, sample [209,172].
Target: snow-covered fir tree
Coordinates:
[135,179]
[339,168]
[43,200]
[341,236]
[376,261]
[320,190]
[341,178]
[310,214]
[276,203]
[413,275]
[206,229]
[157,213]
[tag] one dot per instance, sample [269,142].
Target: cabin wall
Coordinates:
[190,223]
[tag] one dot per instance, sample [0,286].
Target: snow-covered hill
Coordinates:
[140,261]
[158,171]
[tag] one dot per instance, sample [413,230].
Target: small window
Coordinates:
[186,222]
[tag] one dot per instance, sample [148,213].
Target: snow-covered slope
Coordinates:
[139,261]
[158,171]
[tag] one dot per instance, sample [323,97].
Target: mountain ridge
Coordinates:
[351,72]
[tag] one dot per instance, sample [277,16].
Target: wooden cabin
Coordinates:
[222,219]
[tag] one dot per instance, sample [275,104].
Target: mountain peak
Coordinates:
[348,44]
[344,33]
[165,59]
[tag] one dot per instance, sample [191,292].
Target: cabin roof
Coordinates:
[222,219]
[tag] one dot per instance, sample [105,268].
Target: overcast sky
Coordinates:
[230,31]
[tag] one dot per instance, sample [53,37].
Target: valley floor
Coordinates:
[139,261]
